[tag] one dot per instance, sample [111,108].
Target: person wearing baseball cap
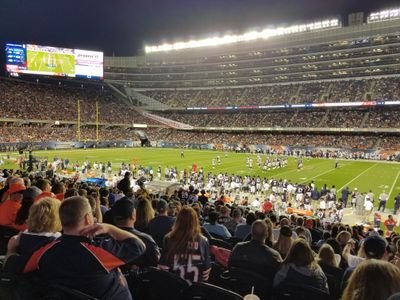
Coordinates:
[10,207]
[374,247]
[123,215]
[162,223]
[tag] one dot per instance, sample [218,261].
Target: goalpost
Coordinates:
[78,130]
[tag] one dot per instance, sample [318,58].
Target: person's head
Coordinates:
[259,231]
[58,188]
[250,218]
[213,217]
[225,211]
[343,237]
[185,230]
[44,185]
[237,214]
[375,247]
[75,212]
[44,216]
[27,200]
[123,213]
[144,213]
[390,217]
[300,254]
[373,280]
[326,255]
[162,207]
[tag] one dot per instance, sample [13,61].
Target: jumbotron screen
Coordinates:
[53,61]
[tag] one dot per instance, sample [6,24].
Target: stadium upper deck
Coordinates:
[330,53]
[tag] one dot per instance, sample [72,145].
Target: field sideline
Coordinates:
[364,175]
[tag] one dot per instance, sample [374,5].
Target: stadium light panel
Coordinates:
[384,15]
[249,36]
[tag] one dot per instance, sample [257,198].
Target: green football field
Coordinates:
[364,175]
[51,62]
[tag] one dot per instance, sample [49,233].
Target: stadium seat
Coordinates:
[241,281]
[5,234]
[298,292]
[32,288]
[156,284]
[206,291]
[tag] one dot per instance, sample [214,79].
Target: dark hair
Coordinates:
[250,218]
[213,217]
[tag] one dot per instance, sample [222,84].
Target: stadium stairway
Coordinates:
[148,102]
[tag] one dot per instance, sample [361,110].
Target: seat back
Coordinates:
[298,292]
[242,281]
[156,284]
[5,234]
[206,291]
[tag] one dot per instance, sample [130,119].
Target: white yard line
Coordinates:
[358,176]
[394,183]
[308,179]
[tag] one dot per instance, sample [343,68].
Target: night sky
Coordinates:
[122,27]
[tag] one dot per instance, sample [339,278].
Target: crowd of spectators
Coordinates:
[381,118]
[30,101]
[296,93]
[195,236]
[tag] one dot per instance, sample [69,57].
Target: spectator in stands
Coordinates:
[45,186]
[58,189]
[284,242]
[373,280]
[161,224]
[125,184]
[255,255]
[123,214]
[186,250]
[89,263]
[144,214]
[329,264]
[235,220]
[11,205]
[27,200]
[300,267]
[374,247]
[203,199]
[243,230]
[43,227]
[215,229]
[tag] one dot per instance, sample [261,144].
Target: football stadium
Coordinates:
[253,163]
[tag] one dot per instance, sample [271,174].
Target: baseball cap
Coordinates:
[16,188]
[122,209]
[374,246]
[162,205]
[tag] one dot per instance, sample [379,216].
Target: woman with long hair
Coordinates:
[373,280]
[301,268]
[330,265]
[284,241]
[186,250]
[144,214]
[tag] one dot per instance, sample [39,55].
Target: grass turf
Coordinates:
[364,175]
[51,62]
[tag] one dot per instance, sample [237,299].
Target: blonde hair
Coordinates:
[373,280]
[44,217]
[326,255]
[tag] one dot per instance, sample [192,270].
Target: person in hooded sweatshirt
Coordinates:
[44,226]
[301,268]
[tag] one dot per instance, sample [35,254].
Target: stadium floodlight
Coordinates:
[249,36]
[384,15]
